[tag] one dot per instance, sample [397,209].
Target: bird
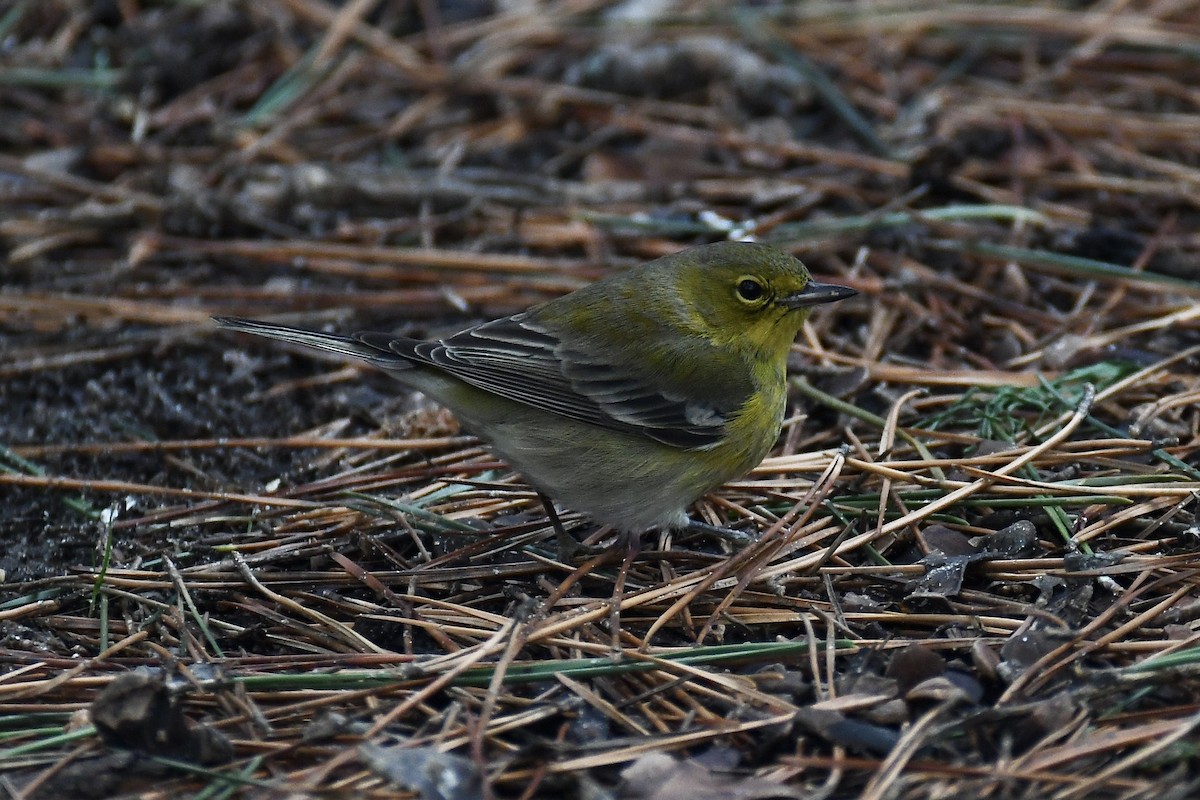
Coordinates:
[626,399]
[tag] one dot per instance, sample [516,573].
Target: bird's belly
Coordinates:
[621,479]
[630,482]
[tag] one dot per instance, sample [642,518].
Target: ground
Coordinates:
[970,565]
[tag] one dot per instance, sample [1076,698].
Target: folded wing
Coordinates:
[520,360]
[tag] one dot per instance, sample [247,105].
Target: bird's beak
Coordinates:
[814,294]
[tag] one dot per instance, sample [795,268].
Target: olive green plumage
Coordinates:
[628,398]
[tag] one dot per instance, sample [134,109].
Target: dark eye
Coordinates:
[750,290]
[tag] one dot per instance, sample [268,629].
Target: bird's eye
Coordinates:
[750,290]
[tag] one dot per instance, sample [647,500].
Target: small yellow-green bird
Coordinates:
[626,399]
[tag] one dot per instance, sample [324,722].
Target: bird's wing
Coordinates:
[518,359]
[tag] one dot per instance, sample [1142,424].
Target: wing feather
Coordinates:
[520,360]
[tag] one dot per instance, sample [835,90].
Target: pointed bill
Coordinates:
[814,294]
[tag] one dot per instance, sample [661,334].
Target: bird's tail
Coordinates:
[352,346]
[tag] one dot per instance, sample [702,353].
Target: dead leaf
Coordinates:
[434,775]
[658,776]
[138,712]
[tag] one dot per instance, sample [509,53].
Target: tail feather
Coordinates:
[352,346]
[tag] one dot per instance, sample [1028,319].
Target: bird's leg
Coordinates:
[568,548]
[735,538]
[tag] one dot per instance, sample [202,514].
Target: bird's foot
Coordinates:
[568,548]
[735,538]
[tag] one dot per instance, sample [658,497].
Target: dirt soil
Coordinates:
[235,567]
